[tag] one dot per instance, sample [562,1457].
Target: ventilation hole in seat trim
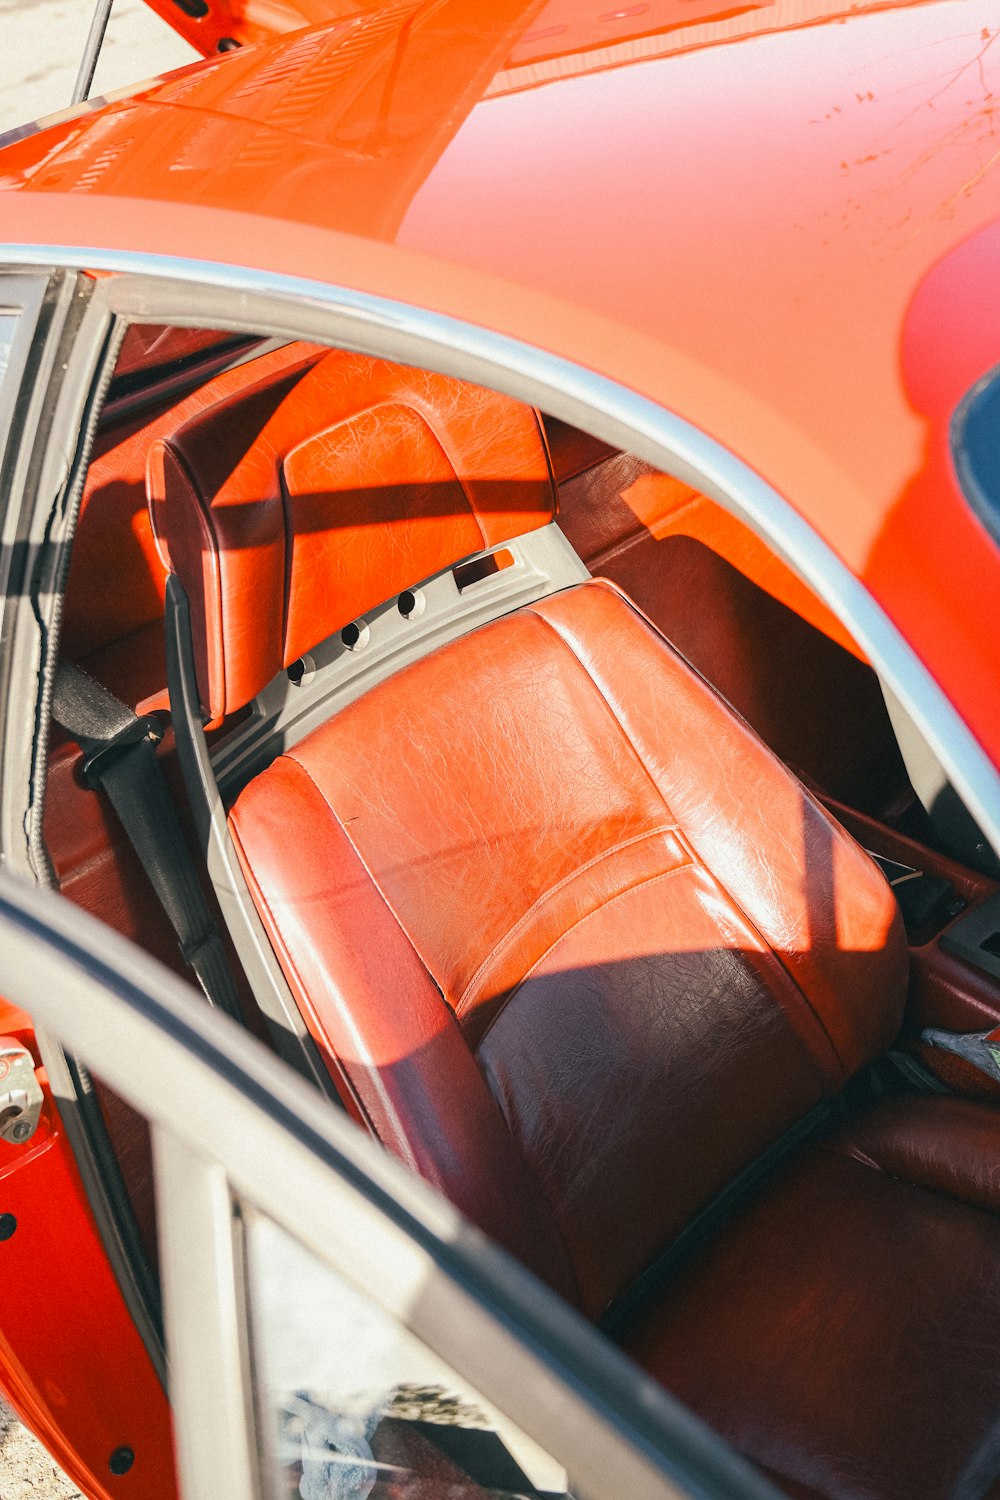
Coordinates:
[356,635]
[411,604]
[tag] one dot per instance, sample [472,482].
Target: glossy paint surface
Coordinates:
[74,1366]
[782,223]
[223,24]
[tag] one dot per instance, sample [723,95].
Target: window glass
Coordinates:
[152,352]
[350,1405]
[11,358]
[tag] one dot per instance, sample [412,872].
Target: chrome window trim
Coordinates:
[216,294]
[229,1118]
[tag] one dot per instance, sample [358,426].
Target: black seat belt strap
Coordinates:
[119,751]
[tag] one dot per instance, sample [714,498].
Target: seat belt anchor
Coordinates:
[96,761]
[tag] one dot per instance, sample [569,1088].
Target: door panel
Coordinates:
[71,1361]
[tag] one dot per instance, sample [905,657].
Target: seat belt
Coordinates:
[119,756]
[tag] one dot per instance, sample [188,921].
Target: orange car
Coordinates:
[499,591]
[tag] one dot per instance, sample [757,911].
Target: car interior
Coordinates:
[558,831]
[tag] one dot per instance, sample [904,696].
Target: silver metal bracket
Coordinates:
[20,1093]
[980,1048]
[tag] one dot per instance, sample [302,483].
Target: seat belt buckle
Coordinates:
[96,761]
[980,1048]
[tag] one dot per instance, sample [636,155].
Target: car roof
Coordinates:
[780,221]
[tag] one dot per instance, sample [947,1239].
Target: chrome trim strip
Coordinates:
[380,326]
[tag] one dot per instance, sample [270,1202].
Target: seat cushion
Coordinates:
[843,1330]
[544,888]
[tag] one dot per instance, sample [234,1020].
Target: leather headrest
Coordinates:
[322,486]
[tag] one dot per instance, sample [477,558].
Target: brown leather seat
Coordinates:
[844,1329]
[580,949]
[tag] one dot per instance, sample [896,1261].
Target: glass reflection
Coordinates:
[350,1405]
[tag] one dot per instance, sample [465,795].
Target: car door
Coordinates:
[334,1327]
[80,1350]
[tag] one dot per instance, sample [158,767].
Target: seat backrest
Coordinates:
[582,946]
[116,579]
[295,506]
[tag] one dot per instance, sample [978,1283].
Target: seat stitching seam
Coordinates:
[430,416]
[775,960]
[619,896]
[786,981]
[861,1159]
[682,832]
[371,1066]
[597,689]
[504,942]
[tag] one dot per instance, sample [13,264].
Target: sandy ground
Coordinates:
[40,46]
[26,1470]
[41,42]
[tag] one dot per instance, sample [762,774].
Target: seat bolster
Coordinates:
[372,1008]
[812,893]
[948,1145]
